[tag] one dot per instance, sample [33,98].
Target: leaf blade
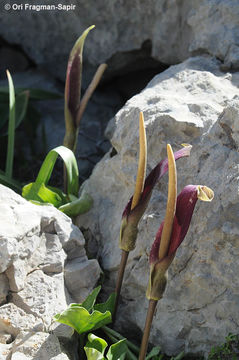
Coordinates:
[11,128]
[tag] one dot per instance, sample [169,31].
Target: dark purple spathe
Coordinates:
[186,202]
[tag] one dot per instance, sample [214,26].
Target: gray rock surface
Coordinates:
[34,246]
[189,103]
[175,29]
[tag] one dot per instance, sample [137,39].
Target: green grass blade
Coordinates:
[21,106]
[11,128]
[71,167]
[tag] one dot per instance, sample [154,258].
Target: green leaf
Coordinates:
[179,356]
[93,354]
[108,305]
[11,128]
[35,94]
[71,168]
[154,352]
[39,192]
[58,192]
[21,107]
[13,184]
[117,351]
[89,302]
[79,206]
[95,347]
[40,94]
[21,103]
[81,320]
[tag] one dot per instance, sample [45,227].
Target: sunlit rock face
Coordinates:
[38,244]
[193,102]
[175,29]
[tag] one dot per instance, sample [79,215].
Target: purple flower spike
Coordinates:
[131,217]
[73,89]
[186,202]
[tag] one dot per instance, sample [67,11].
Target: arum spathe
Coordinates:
[186,202]
[131,216]
[168,238]
[74,105]
[73,89]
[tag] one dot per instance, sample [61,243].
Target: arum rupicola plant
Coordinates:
[139,201]
[74,106]
[168,238]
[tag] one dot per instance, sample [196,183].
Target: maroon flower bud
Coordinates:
[186,202]
[131,217]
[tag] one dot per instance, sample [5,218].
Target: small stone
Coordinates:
[80,277]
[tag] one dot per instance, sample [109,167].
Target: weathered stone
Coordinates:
[4,288]
[33,251]
[13,320]
[38,346]
[5,351]
[194,103]
[202,27]
[81,277]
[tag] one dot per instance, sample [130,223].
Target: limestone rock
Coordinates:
[4,288]
[34,245]
[189,103]
[175,29]
[79,276]
[38,346]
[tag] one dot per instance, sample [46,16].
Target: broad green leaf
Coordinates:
[70,164]
[108,305]
[117,351]
[13,184]
[79,206]
[58,192]
[81,320]
[154,352]
[89,302]
[11,128]
[93,354]
[39,192]
[95,347]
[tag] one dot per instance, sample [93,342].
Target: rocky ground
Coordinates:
[192,48]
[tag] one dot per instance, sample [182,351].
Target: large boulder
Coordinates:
[175,29]
[38,245]
[189,103]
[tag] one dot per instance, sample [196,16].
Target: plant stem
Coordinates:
[91,88]
[114,333]
[129,353]
[147,328]
[124,258]
[81,347]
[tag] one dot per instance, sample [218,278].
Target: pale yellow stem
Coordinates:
[91,88]
[139,186]
[171,204]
